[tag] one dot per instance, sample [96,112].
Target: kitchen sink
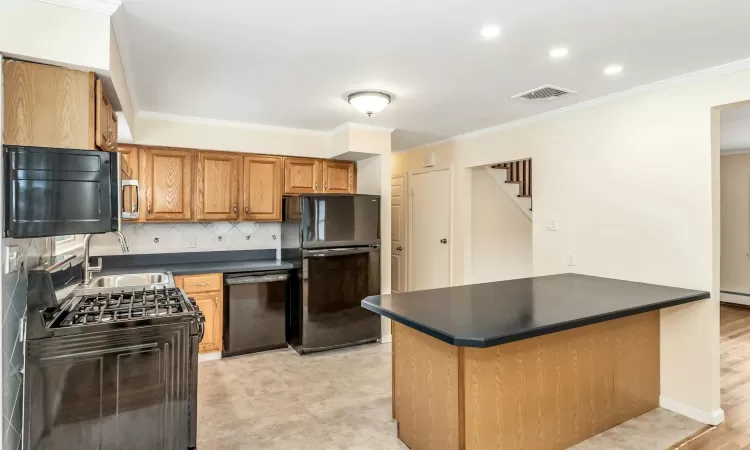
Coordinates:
[127,281]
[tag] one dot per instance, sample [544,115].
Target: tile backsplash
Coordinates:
[13,309]
[190,237]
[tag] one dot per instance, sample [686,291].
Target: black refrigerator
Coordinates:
[334,240]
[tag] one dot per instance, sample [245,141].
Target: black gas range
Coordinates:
[114,369]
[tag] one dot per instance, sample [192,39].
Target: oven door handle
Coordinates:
[331,252]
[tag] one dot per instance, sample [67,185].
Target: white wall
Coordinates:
[735,224]
[54,34]
[500,233]
[735,130]
[634,182]
[120,84]
[151,129]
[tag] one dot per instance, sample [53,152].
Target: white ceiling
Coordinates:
[291,62]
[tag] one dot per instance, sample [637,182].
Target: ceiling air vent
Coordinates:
[544,94]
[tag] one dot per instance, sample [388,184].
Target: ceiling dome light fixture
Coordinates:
[369,102]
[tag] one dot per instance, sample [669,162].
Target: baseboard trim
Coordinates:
[714,417]
[202,357]
[386,338]
[734,298]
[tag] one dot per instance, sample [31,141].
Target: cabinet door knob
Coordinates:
[325,187]
[399,248]
[235,210]
[247,210]
[443,241]
[316,185]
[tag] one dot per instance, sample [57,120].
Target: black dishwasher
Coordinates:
[254,312]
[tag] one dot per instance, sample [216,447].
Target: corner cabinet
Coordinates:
[261,188]
[106,121]
[166,178]
[217,187]
[309,176]
[207,290]
[48,106]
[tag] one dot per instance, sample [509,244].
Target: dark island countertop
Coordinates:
[195,263]
[489,314]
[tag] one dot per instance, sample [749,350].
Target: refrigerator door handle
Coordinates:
[330,252]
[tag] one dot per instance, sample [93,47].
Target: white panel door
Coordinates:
[398,233]
[430,230]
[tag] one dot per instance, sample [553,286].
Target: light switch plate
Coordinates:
[571,259]
[12,258]
[191,242]
[552,224]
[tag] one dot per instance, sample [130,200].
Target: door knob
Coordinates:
[399,248]
[443,241]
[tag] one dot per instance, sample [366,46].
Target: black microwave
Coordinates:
[57,191]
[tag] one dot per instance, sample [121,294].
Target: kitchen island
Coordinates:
[543,362]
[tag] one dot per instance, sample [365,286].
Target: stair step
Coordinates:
[514,182]
[524,196]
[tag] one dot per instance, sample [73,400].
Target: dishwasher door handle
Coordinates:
[257,279]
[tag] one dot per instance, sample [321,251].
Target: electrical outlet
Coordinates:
[552,224]
[571,259]
[191,242]
[12,258]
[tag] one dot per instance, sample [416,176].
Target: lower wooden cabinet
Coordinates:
[208,292]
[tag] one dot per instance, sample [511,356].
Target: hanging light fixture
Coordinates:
[369,102]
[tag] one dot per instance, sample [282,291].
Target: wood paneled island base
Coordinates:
[545,392]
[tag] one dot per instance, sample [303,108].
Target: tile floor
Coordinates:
[342,400]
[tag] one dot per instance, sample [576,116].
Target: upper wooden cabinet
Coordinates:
[47,106]
[339,177]
[106,120]
[186,185]
[308,176]
[217,187]
[166,179]
[261,188]
[301,175]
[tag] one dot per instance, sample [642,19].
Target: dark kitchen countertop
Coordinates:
[489,314]
[194,263]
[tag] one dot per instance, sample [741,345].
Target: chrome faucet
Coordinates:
[88,269]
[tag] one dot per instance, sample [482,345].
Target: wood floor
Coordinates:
[734,433]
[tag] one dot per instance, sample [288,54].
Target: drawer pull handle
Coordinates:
[202,284]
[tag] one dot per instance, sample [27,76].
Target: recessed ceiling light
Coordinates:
[490,31]
[369,102]
[558,52]
[612,70]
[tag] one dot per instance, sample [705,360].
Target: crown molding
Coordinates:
[174,118]
[107,7]
[681,80]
